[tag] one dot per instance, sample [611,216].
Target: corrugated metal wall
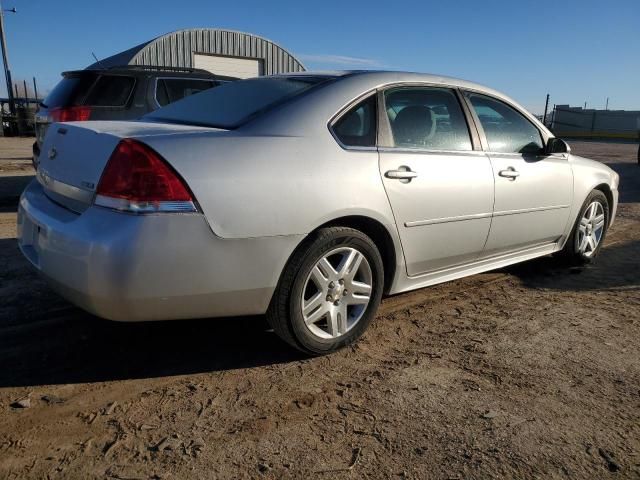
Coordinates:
[176,49]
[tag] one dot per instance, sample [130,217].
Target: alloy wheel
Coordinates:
[590,229]
[336,292]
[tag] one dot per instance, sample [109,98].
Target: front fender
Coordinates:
[587,176]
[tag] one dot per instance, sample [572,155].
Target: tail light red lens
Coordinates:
[70,114]
[137,179]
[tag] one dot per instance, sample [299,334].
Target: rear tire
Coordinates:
[589,230]
[329,291]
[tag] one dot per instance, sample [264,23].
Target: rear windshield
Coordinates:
[71,90]
[232,104]
[111,91]
[83,89]
[169,90]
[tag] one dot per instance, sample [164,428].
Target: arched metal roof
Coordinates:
[176,49]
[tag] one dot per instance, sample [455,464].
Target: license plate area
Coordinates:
[31,236]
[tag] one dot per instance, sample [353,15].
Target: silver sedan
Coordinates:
[306,197]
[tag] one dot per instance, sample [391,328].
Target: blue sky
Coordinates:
[576,50]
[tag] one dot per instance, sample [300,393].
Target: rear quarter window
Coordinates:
[357,127]
[111,91]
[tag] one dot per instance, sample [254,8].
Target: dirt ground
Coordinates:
[528,372]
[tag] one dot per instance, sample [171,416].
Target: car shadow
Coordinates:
[616,268]
[78,348]
[11,187]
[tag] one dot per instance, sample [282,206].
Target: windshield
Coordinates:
[235,103]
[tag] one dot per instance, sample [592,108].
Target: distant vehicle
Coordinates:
[117,93]
[305,196]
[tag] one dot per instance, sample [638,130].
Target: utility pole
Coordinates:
[546,107]
[5,59]
[35,91]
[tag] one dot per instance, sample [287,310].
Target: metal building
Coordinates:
[223,52]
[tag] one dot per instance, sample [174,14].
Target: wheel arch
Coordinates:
[374,229]
[379,234]
[606,189]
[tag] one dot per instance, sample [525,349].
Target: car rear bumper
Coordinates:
[148,267]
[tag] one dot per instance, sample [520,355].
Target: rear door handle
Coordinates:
[403,173]
[510,173]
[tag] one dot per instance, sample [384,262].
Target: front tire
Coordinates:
[329,292]
[589,230]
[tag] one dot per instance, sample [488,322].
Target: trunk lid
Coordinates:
[75,154]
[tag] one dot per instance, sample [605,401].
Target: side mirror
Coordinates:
[556,145]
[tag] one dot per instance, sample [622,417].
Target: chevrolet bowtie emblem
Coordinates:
[52,153]
[44,176]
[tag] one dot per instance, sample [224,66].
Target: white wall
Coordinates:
[229,66]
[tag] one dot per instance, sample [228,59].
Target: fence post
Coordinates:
[638,126]
[35,90]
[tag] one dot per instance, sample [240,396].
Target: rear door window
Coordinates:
[427,118]
[111,91]
[169,90]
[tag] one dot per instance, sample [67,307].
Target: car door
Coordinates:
[533,191]
[437,179]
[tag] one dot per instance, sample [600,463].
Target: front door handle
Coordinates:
[404,174]
[510,173]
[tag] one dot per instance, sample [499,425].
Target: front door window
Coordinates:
[507,130]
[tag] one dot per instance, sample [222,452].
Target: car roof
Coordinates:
[382,77]
[150,70]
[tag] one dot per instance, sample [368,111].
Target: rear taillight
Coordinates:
[70,114]
[137,179]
